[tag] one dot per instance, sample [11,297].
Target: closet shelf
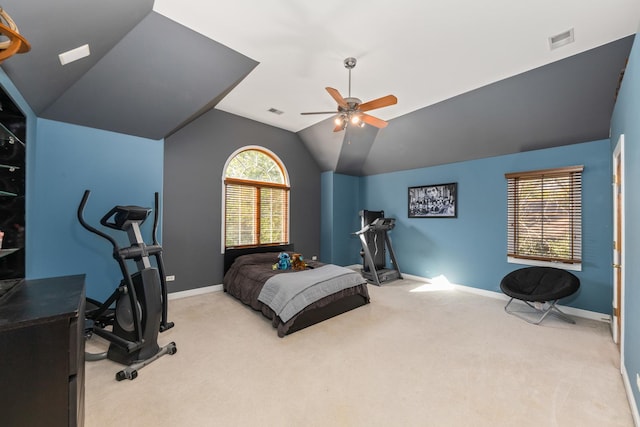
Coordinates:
[7,136]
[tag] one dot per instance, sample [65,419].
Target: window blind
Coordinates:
[255,214]
[240,215]
[273,215]
[545,214]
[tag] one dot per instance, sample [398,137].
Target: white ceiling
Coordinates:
[421,51]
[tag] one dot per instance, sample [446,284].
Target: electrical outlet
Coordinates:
[638,381]
[314,258]
[171,278]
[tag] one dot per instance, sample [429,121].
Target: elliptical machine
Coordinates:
[140,299]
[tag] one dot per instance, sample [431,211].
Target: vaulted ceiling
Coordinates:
[473,78]
[146,75]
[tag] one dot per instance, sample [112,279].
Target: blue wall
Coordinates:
[62,161]
[326,216]
[65,160]
[626,120]
[471,249]
[340,205]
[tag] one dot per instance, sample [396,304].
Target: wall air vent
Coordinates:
[561,39]
[275,111]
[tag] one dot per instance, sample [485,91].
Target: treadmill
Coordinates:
[374,237]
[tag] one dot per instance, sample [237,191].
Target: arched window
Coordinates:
[256,199]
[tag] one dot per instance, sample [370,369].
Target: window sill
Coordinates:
[536,263]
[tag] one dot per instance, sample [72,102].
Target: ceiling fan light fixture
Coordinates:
[351,110]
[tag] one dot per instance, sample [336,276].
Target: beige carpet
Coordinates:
[440,358]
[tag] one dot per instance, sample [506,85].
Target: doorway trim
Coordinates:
[617,322]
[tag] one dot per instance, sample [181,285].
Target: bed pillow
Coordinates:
[268,258]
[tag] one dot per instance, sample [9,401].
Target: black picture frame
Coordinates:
[433,201]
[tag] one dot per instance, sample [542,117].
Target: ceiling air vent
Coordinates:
[561,39]
[74,54]
[275,111]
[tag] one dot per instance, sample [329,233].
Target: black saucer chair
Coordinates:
[539,285]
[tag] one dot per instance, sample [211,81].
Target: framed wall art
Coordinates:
[434,201]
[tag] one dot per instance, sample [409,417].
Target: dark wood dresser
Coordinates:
[42,353]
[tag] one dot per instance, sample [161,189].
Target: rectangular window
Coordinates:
[256,214]
[544,215]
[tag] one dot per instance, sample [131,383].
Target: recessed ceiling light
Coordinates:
[275,111]
[561,39]
[74,54]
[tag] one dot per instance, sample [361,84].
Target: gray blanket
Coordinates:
[287,294]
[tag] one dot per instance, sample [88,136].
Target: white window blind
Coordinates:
[255,214]
[273,215]
[240,215]
[545,215]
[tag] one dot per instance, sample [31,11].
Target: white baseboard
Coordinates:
[632,402]
[194,292]
[586,314]
[578,312]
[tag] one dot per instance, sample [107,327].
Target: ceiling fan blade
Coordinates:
[373,121]
[319,112]
[385,101]
[339,99]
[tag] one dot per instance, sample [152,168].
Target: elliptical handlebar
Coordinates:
[89,227]
[155,219]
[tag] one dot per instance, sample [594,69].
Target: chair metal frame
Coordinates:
[551,309]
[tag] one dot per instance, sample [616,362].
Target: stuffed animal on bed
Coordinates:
[297,262]
[284,262]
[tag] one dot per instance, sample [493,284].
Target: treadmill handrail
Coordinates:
[362,231]
[379,224]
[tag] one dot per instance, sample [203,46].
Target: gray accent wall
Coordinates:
[194,161]
[550,106]
[149,87]
[147,75]
[565,102]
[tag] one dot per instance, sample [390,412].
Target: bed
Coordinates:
[250,278]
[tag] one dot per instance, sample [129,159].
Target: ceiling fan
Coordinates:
[352,110]
[13,42]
